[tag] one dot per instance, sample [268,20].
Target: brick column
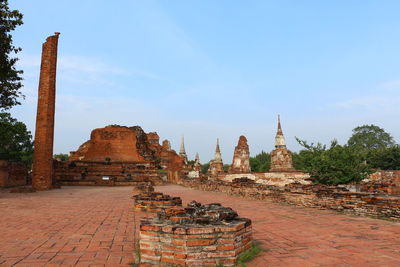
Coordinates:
[44,135]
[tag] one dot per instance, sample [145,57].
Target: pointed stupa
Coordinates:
[197,159]
[182,151]
[279,138]
[217,154]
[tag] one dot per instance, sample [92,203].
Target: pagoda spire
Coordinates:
[279,138]
[182,151]
[218,156]
[197,159]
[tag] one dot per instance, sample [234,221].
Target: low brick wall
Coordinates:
[382,182]
[209,235]
[155,202]
[319,196]
[269,178]
[12,173]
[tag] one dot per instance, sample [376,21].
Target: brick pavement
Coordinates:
[94,226]
[72,226]
[297,236]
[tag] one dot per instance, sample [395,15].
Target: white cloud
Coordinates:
[385,97]
[371,102]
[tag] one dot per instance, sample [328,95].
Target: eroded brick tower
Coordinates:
[44,135]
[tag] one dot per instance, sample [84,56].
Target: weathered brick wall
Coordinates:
[125,154]
[44,135]
[115,143]
[270,178]
[281,160]
[241,157]
[319,196]
[92,173]
[155,202]
[199,235]
[12,173]
[167,245]
[382,182]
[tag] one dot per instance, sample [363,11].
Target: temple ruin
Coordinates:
[281,172]
[119,155]
[42,175]
[198,235]
[197,164]
[281,157]
[241,157]
[216,165]
[182,151]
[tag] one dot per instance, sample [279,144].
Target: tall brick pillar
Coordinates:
[44,135]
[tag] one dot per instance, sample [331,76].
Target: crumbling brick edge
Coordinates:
[315,196]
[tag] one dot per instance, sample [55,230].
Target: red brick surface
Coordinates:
[44,135]
[12,173]
[72,226]
[94,226]
[298,236]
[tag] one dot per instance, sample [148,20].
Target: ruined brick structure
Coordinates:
[44,135]
[195,171]
[382,182]
[281,157]
[312,195]
[182,151]
[199,235]
[281,173]
[12,173]
[216,165]
[197,164]
[155,202]
[241,157]
[270,178]
[170,161]
[119,155]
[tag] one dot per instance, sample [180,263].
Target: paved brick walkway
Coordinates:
[82,226]
[94,226]
[295,236]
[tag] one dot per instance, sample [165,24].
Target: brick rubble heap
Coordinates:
[199,235]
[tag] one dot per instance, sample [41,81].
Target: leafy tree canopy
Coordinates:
[204,168]
[10,79]
[61,157]
[261,162]
[369,137]
[385,159]
[15,140]
[226,167]
[334,165]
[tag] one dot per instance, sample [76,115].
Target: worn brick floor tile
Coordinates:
[298,236]
[95,226]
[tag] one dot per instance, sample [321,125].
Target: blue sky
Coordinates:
[216,69]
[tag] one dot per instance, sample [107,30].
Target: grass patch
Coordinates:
[162,171]
[249,254]
[385,217]
[136,255]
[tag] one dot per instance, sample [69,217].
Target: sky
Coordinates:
[215,69]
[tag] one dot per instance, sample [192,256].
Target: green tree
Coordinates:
[10,79]
[385,159]
[336,165]
[61,157]
[226,167]
[369,137]
[261,162]
[15,140]
[204,167]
